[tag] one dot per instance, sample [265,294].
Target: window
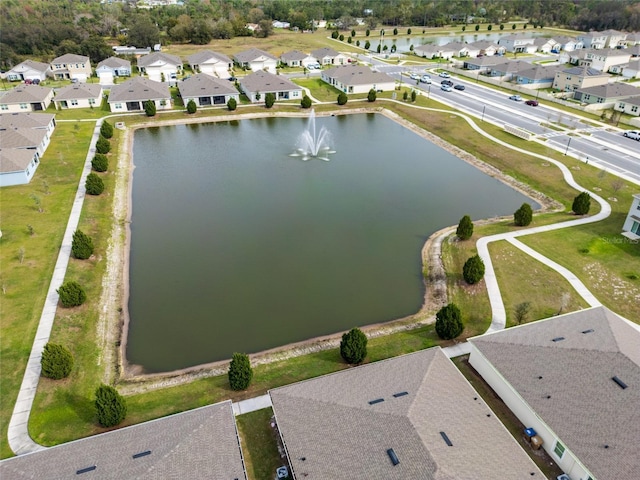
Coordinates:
[24,106]
[92,101]
[4,107]
[634,109]
[117,106]
[74,102]
[559,449]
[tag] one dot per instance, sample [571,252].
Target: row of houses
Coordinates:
[573,381]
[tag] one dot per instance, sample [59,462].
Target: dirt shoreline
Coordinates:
[113,323]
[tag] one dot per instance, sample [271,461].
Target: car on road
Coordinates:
[634,134]
[282,472]
[517,98]
[533,103]
[415,76]
[459,87]
[444,75]
[426,79]
[446,88]
[448,83]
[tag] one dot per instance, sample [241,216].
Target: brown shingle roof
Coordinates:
[15,160]
[25,94]
[25,120]
[265,82]
[203,85]
[78,91]
[139,89]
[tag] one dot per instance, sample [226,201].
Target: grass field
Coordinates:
[259,444]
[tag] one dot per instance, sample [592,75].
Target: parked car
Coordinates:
[444,75]
[459,87]
[446,88]
[634,134]
[448,83]
[533,103]
[517,98]
[426,79]
[282,472]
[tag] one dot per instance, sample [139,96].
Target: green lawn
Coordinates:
[259,444]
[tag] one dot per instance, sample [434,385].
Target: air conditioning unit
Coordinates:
[564,476]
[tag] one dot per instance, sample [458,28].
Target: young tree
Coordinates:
[100,162]
[372,95]
[269,100]
[477,27]
[379,47]
[82,245]
[150,108]
[56,361]
[341,37]
[103,145]
[353,346]
[111,407]
[405,96]
[191,107]
[581,204]
[464,27]
[395,31]
[523,216]
[489,27]
[367,45]
[349,39]
[335,34]
[258,96]
[473,270]
[71,294]
[94,184]
[240,372]
[305,102]
[232,104]
[342,98]
[367,33]
[521,312]
[501,26]
[353,33]
[408,31]
[106,130]
[449,322]
[414,95]
[465,228]
[513,27]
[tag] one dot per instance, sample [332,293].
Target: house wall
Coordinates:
[215,70]
[568,463]
[568,82]
[293,95]
[633,210]
[26,107]
[226,99]
[268,65]
[627,108]
[155,73]
[119,107]
[79,103]
[19,178]
[28,74]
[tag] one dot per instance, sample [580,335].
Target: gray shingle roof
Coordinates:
[203,85]
[357,75]
[78,91]
[584,71]
[265,82]
[332,430]
[70,58]
[14,160]
[324,52]
[587,409]
[26,94]
[139,89]
[197,444]
[293,55]
[22,137]
[538,72]
[612,90]
[30,64]
[207,55]
[25,120]
[114,62]
[252,54]
[632,100]
[154,57]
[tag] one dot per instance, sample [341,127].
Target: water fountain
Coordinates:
[312,144]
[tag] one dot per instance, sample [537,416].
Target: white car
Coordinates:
[415,76]
[444,75]
[516,98]
[446,88]
[426,79]
[634,134]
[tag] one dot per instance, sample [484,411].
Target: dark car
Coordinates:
[448,83]
[459,87]
[533,103]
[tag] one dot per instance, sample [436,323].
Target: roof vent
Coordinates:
[446,439]
[558,339]
[393,456]
[85,470]
[141,454]
[377,400]
[588,331]
[620,383]
[400,394]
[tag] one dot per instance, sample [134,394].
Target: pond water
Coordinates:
[237,246]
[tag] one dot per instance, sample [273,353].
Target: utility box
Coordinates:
[536,442]
[528,433]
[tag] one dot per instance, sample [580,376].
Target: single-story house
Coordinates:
[574,78]
[358,79]
[328,56]
[255,59]
[29,70]
[409,417]
[428,51]
[257,84]
[538,76]
[461,49]
[632,69]
[26,98]
[606,95]
[71,67]
[484,64]
[78,95]
[160,67]
[487,48]
[206,90]
[517,43]
[112,67]
[213,63]
[38,121]
[546,45]
[604,59]
[17,166]
[593,40]
[200,443]
[631,228]
[296,58]
[447,51]
[575,380]
[131,95]
[630,106]
[279,24]
[509,70]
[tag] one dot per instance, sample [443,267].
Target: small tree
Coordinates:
[100,162]
[449,322]
[71,294]
[341,37]
[465,228]
[477,27]
[489,27]
[106,130]
[372,95]
[523,216]
[82,245]
[408,31]
[103,145]
[305,102]
[464,27]
[94,184]
[191,107]
[501,26]
[342,98]
[367,45]
[405,96]
[240,372]
[367,33]
[521,312]
[269,100]
[232,104]
[414,95]
[111,407]
[353,346]
[56,361]
[258,96]
[335,34]
[150,108]
[353,33]
[581,204]
[473,270]
[513,27]
[395,31]
[379,47]
[349,39]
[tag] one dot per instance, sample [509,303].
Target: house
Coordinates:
[212,63]
[575,57]
[487,49]
[632,70]
[296,58]
[257,84]
[130,50]
[634,51]
[78,95]
[461,49]
[606,95]
[409,417]
[112,67]
[574,379]
[206,90]
[593,40]
[252,27]
[429,51]
[255,59]
[29,70]
[604,59]
[279,24]
[358,79]
[24,138]
[447,51]
[631,228]
[516,43]
[508,71]
[546,45]
[538,76]
[200,443]
[71,67]
[614,38]
[26,98]
[568,44]
[630,106]
[572,79]
[131,95]
[328,56]
[484,64]
[160,67]
[632,39]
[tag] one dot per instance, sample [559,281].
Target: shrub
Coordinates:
[523,216]
[414,95]
[477,27]
[100,162]
[341,37]
[353,346]
[408,31]
[111,407]
[71,294]
[501,26]
[581,204]
[82,245]
[150,108]
[269,100]
[342,98]
[372,95]
[367,45]
[94,184]
[240,372]
[191,107]
[56,361]
[335,34]
[232,104]
[103,145]
[473,270]
[405,96]
[305,102]
[465,228]
[395,31]
[449,322]
[106,129]
[489,27]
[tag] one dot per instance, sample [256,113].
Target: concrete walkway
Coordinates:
[18,433]
[252,404]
